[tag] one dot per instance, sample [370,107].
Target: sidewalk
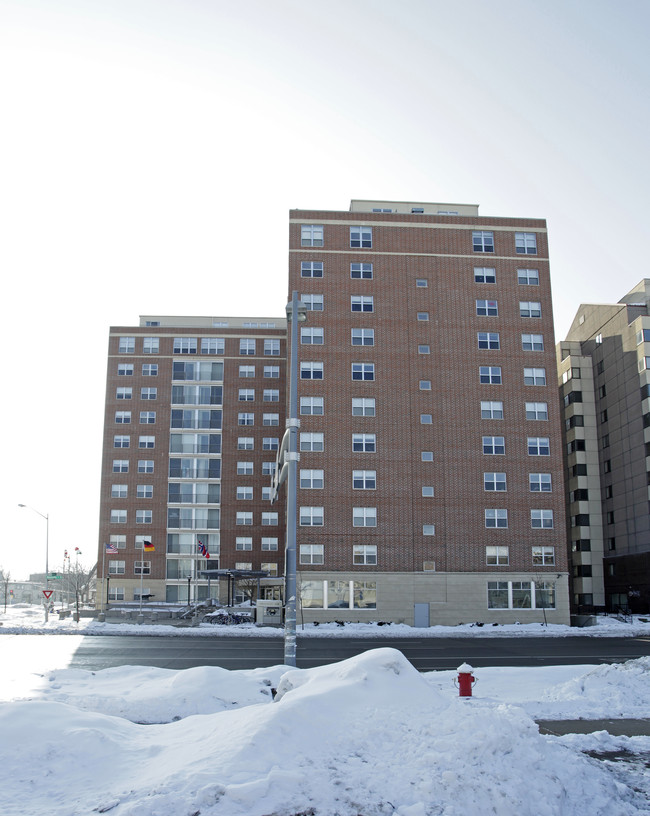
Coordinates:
[617,728]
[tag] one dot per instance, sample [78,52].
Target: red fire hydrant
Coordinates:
[465,680]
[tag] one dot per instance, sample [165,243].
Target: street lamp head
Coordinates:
[302,311]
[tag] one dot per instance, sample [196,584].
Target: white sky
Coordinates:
[150,151]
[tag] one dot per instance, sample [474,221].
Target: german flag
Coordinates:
[148,546]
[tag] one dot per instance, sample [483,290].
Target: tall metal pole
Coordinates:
[292,457]
[47,548]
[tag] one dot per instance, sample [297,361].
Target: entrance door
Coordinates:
[421,615]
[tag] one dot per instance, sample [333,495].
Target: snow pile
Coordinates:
[368,735]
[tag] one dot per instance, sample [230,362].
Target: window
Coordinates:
[124,393]
[363,337]
[244,418]
[532,342]
[311,406]
[123,417]
[424,349]
[119,491]
[525,243]
[116,567]
[244,493]
[245,468]
[539,482]
[312,554]
[270,443]
[541,519]
[428,529]
[364,516]
[496,518]
[534,376]
[428,491]
[311,336]
[491,410]
[118,541]
[529,308]
[270,419]
[363,371]
[311,479]
[311,371]
[271,372]
[148,393]
[421,283]
[498,595]
[245,443]
[363,406]
[425,385]
[145,465]
[487,308]
[269,519]
[148,369]
[488,340]
[144,491]
[313,303]
[125,369]
[538,446]
[426,419]
[311,269]
[269,543]
[364,442]
[494,445]
[121,441]
[272,348]
[246,371]
[271,395]
[423,317]
[120,465]
[185,345]
[426,456]
[243,543]
[126,345]
[147,417]
[361,270]
[364,554]
[311,517]
[150,345]
[143,516]
[312,442]
[244,518]
[246,345]
[497,556]
[311,235]
[364,479]
[482,241]
[490,374]
[213,345]
[268,468]
[362,303]
[494,481]
[360,237]
[544,556]
[484,274]
[537,411]
[146,441]
[528,277]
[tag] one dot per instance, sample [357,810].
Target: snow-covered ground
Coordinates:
[368,736]
[20,619]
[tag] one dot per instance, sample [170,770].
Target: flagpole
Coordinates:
[103,563]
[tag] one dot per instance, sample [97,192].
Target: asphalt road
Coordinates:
[426,654]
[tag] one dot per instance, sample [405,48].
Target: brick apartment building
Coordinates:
[603,367]
[194,413]
[430,480]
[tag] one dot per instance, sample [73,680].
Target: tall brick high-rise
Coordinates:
[430,480]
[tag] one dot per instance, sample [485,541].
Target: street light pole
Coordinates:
[47,550]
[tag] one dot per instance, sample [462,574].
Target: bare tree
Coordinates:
[5,577]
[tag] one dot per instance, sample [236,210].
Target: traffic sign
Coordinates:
[54,576]
[47,593]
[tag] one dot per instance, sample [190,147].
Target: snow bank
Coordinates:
[365,736]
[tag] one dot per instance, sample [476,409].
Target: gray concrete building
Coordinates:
[604,380]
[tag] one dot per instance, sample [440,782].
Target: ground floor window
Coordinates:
[338,594]
[115,593]
[521,595]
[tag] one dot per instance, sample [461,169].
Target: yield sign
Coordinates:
[47,593]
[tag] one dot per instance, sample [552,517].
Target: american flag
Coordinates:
[111,549]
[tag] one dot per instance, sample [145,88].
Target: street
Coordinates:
[426,654]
